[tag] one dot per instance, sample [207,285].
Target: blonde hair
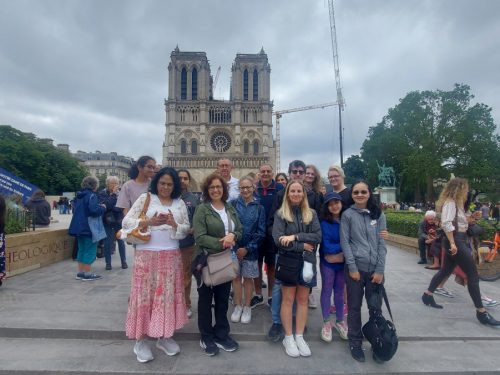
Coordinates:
[316,185]
[285,210]
[337,169]
[456,189]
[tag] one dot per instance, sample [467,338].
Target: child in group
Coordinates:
[331,266]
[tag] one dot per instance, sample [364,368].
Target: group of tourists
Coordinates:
[283,222]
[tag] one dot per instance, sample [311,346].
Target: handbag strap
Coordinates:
[229,222]
[146,205]
[386,300]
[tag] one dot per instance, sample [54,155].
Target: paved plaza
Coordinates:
[51,323]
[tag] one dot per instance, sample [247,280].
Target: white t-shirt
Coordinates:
[223,216]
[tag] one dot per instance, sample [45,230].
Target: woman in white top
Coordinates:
[454,223]
[156,306]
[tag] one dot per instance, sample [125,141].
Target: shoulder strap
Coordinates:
[386,300]
[455,220]
[146,205]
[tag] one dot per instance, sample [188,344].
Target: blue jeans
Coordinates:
[276,303]
[109,244]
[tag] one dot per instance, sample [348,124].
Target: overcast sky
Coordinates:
[93,74]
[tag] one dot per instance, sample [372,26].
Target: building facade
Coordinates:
[104,163]
[201,130]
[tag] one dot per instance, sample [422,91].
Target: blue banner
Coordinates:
[11,184]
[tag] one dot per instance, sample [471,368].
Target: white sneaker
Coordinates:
[168,345]
[246,316]
[312,301]
[489,302]
[236,315]
[189,312]
[341,328]
[143,351]
[291,346]
[444,292]
[326,332]
[302,346]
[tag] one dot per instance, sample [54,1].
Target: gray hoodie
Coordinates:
[360,240]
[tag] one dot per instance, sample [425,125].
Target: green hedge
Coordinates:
[406,223]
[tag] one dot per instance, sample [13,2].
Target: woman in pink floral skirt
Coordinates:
[156,306]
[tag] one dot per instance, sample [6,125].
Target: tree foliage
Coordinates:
[430,134]
[52,170]
[354,169]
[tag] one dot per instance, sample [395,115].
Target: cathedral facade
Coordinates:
[201,130]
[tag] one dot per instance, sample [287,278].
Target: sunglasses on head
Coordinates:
[296,171]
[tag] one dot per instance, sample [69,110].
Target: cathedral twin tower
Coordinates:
[201,130]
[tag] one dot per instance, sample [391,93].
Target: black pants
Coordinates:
[422,248]
[464,259]
[220,295]
[355,292]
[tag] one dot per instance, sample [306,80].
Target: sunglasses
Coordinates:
[295,171]
[360,192]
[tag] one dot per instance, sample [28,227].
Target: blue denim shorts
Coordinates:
[249,269]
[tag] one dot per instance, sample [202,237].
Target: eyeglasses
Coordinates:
[246,187]
[360,192]
[216,187]
[296,171]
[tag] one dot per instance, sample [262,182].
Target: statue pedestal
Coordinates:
[387,194]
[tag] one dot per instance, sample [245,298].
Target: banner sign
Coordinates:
[11,184]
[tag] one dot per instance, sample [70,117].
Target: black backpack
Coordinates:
[380,332]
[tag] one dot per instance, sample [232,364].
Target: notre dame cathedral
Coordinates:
[201,130]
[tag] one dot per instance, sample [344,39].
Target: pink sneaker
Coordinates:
[326,332]
[341,328]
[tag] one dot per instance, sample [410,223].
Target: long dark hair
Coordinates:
[372,204]
[134,169]
[176,192]
[3,209]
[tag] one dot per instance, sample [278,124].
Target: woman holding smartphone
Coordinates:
[156,305]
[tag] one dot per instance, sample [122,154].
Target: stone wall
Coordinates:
[409,244]
[31,250]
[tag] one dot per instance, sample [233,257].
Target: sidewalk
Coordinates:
[52,323]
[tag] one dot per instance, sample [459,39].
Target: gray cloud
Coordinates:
[93,74]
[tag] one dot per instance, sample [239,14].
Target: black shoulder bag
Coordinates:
[380,332]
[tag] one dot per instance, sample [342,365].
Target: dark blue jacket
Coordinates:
[253,221]
[87,204]
[109,199]
[330,242]
[266,195]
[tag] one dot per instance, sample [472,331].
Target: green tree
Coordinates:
[430,134]
[354,169]
[52,170]
[102,180]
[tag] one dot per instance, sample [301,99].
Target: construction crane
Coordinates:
[279,114]
[340,98]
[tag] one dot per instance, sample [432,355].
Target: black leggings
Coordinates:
[462,258]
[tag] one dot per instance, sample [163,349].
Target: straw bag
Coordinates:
[137,236]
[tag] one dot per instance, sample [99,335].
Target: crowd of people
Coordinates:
[277,225]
